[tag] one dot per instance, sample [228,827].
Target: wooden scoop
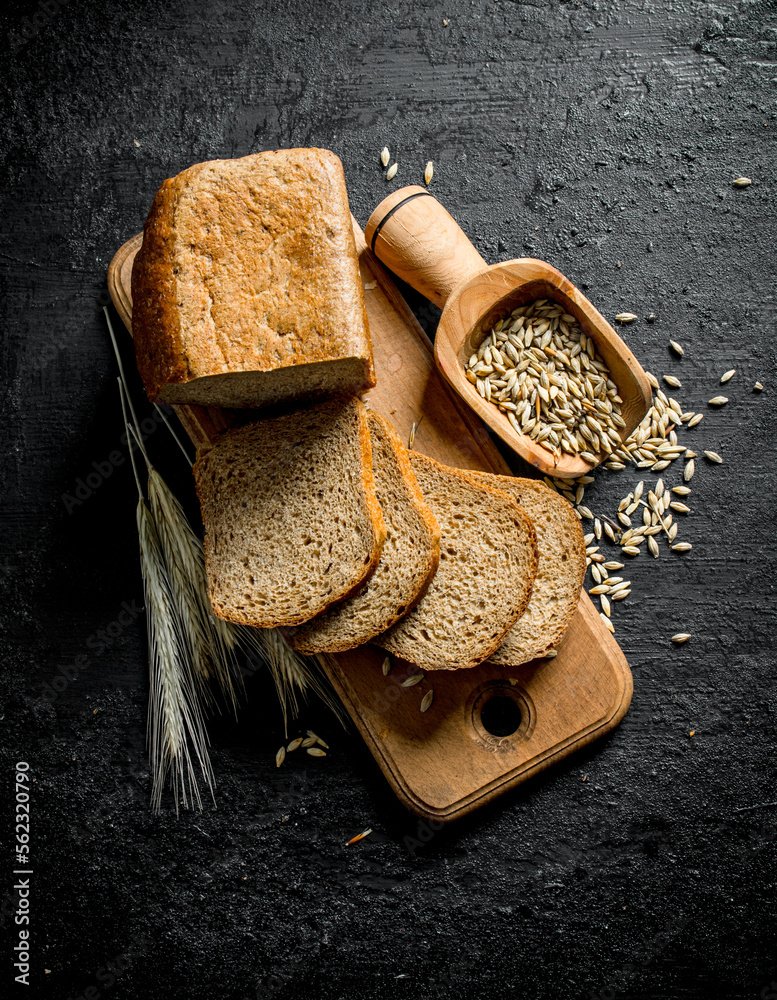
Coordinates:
[418,240]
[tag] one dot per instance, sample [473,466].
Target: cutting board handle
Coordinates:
[414,236]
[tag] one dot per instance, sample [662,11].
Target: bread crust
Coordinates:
[250,266]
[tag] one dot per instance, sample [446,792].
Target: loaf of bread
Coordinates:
[246,291]
[407,564]
[560,570]
[292,523]
[488,559]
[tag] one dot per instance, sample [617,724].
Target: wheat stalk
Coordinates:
[210,645]
[175,725]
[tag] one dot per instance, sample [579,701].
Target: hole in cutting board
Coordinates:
[500,716]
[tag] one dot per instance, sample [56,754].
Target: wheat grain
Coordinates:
[385,156]
[358,837]
[428,173]
[391,173]
[726,376]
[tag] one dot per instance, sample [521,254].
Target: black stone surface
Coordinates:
[602,137]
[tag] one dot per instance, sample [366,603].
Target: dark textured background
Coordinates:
[602,137]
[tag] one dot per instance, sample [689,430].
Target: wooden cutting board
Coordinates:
[454,758]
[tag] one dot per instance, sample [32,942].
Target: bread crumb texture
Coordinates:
[292,522]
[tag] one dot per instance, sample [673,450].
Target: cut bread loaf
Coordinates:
[246,290]
[291,520]
[407,563]
[560,570]
[488,558]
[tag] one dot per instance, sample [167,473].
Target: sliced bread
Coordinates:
[246,290]
[560,570]
[292,523]
[488,558]
[407,563]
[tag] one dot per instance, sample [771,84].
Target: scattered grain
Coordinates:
[358,837]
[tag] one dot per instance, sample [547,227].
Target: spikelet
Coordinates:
[178,743]
[210,646]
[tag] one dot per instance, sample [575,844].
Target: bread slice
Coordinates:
[407,563]
[560,570]
[246,290]
[488,558]
[291,520]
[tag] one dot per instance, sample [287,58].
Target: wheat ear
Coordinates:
[210,647]
[176,730]
[295,676]
[175,724]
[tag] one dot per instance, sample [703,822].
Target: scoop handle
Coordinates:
[416,238]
